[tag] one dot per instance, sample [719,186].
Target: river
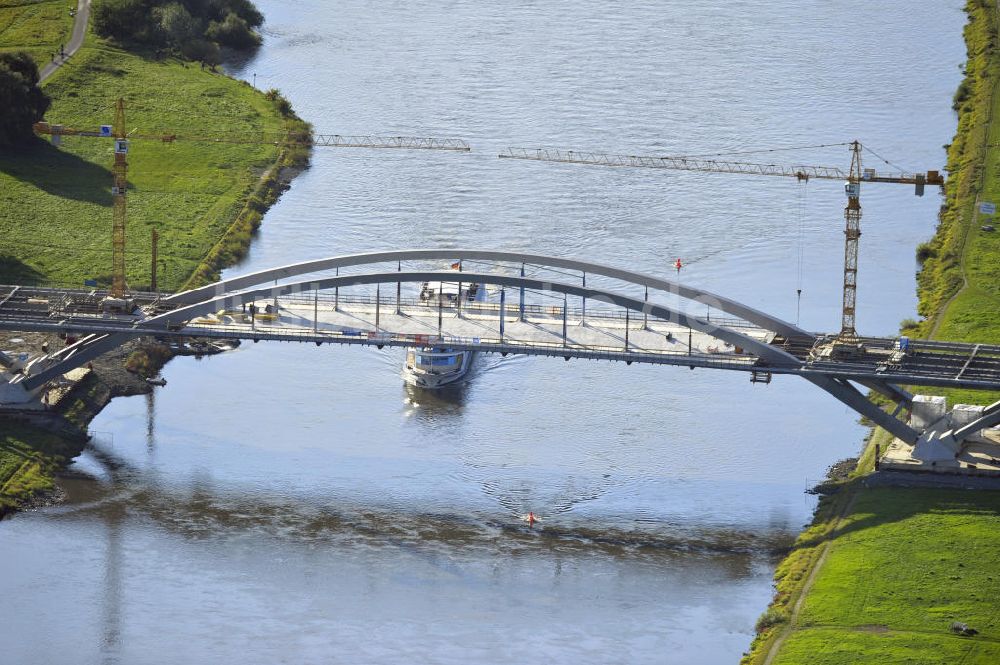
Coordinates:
[292,504]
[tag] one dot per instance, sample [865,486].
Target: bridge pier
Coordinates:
[951,441]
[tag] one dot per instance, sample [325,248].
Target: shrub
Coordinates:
[962,94]
[202,50]
[233,32]
[926,250]
[774,616]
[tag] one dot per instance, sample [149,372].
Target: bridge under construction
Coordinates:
[537,305]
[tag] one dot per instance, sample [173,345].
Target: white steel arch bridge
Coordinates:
[540,305]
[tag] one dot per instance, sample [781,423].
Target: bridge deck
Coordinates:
[597,332]
[594,333]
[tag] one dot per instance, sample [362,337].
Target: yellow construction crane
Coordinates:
[852,186]
[122,138]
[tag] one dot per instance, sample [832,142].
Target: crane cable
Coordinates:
[803,192]
[887,162]
[764,150]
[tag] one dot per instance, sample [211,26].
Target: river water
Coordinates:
[294,504]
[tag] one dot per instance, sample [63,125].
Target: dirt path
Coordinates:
[75,40]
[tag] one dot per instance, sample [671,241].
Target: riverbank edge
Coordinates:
[939,281]
[32,484]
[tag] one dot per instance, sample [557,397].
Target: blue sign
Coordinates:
[106,131]
[90,282]
[987,208]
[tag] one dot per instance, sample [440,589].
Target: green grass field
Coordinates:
[55,203]
[902,566]
[37,26]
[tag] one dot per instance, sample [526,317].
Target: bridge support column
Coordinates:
[645,310]
[627,323]
[74,356]
[583,309]
[520,315]
[565,303]
[399,286]
[440,308]
[503,302]
[378,299]
[853,398]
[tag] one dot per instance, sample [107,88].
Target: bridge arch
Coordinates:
[728,305]
[770,354]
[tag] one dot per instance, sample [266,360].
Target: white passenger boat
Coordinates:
[439,366]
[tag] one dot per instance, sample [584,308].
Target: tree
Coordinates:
[232,32]
[127,21]
[178,23]
[184,25]
[23,101]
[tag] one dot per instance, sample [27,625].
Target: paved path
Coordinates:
[75,40]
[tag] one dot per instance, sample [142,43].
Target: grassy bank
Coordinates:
[959,284]
[55,203]
[903,566]
[204,198]
[28,459]
[882,574]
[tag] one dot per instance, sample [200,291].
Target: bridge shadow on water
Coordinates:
[58,172]
[199,511]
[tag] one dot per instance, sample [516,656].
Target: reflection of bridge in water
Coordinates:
[538,305]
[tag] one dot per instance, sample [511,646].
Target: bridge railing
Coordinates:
[511,308]
[723,357]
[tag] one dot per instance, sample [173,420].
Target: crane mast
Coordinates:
[122,138]
[852,235]
[120,172]
[852,185]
